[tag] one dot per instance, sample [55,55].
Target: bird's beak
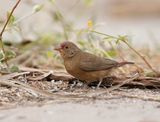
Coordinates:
[58,49]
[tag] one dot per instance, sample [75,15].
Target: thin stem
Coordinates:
[103,34]
[23,18]
[142,57]
[5,25]
[134,50]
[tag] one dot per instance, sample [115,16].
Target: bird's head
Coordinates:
[67,49]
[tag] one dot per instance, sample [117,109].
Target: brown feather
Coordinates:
[86,66]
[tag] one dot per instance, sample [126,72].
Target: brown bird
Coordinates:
[85,66]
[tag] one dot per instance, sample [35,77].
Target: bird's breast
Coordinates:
[70,65]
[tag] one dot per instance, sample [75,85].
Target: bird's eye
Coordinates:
[66,47]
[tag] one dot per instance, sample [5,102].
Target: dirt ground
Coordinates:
[112,108]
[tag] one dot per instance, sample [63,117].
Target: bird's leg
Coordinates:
[74,84]
[100,82]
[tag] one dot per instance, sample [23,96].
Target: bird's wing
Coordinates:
[90,62]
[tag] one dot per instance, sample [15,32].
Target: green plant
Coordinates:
[10,19]
[124,39]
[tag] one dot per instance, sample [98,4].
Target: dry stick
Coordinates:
[117,86]
[142,57]
[5,25]
[12,75]
[123,83]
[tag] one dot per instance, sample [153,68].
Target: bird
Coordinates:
[85,66]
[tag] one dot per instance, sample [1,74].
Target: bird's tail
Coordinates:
[124,63]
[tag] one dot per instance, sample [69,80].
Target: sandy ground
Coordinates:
[111,108]
[122,110]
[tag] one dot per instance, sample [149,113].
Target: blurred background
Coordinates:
[139,19]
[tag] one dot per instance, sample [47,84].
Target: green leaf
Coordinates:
[12,18]
[109,39]
[37,7]
[10,54]
[1,56]
[50,54]
[57,16]
[82,43]
[88,2]
[14,68]
[112,53]
[150,74]
[118,41]
[122,38]
[52,1]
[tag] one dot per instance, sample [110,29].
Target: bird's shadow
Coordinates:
[107,82]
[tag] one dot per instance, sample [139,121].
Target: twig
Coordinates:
[142,57]
[123,83]
[12,75]
[5,25]
[117,86]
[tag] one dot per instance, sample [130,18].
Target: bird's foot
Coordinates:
[99,84]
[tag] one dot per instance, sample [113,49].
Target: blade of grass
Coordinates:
[4,27]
